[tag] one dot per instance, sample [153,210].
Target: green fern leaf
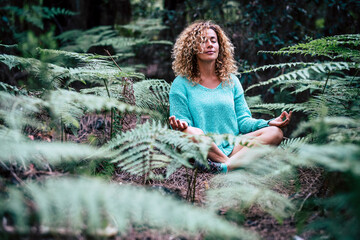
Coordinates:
[251,185]
[304,73]
[16,150]
[153,94]
[150,146]
[88,206]
[74,104]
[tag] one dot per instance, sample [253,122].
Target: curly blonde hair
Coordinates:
[185,51]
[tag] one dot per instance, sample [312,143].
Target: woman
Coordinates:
[206,97]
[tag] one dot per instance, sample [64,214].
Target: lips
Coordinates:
[210,52]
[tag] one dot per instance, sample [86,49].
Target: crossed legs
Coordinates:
[267,136]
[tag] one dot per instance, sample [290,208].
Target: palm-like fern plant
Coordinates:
[333,84]
[262,169]
[71,206]
[153,94]
[151,146]
[34,14]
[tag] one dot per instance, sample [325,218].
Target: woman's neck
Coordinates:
[208,76]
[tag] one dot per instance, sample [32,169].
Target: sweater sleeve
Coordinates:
[179,101]
[243,115]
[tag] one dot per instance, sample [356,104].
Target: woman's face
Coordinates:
[209,47]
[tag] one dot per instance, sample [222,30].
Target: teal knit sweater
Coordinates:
[220,110]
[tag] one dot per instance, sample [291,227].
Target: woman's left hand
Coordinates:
[280,121]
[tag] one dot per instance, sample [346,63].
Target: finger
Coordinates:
[178,123]
[283,114]
[184,125]
[285,123]
[290,115]
[173,123]
[276,124]
[173,126]
[173,118]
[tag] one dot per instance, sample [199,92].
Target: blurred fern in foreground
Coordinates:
[72,206]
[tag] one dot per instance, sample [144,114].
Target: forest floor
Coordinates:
[309,183]
[255,219]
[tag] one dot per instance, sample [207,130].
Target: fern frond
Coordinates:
[121,44]
[333,157]
[116,91]
[12,89]
[270,107]
[13,61]
[293,142]
[68,37]
[278,66]
[153,94]
[338,129]
[17,150]
[162,42]
[242,194]
[52,12]
[88,206]
[305,73]
[81,41]
[9,46]
[251,185]
[148,28]
[74,59]
[151,145]
[51,73]
[300,85]
[87,68]
[18,111]
[35,14]
[333,47]
[69,105]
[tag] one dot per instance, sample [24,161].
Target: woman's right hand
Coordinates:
[177,124]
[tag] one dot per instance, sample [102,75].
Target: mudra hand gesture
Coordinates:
[177,124]
[280,121]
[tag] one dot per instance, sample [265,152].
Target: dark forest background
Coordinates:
[252,25]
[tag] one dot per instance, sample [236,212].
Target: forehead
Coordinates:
[209,33]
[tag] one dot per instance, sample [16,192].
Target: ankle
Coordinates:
[224,168]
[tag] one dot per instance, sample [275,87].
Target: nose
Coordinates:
[209,44]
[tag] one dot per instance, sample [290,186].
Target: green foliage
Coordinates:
[307,73]
[16,112]
[153,94]
[72,206]
[21,152]
[35,14]
[105,36]
[68,106]
[50,70]
[334,47]
[151,146]
[74,104]
[148,28]
[262,169]
[331,132]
